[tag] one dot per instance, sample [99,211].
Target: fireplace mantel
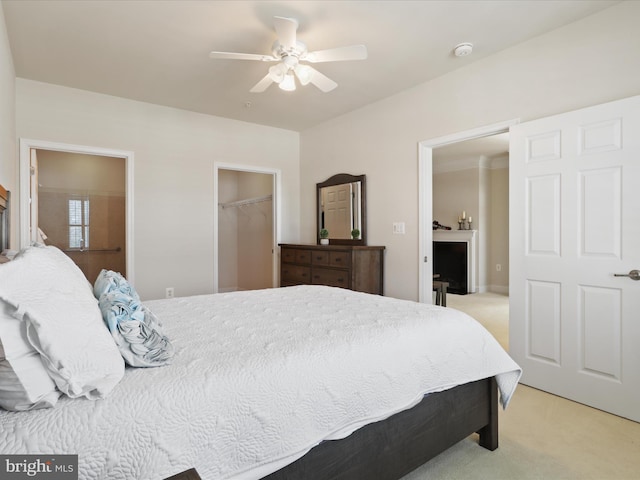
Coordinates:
[454,235]
[469,237]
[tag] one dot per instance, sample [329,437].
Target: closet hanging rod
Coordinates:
[247,201]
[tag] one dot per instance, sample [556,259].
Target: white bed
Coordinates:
[261,377]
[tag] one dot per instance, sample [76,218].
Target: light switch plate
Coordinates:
[398,228]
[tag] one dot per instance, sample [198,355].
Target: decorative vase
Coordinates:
[324,241]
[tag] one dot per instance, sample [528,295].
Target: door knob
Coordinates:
[633,274]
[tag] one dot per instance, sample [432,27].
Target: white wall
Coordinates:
[482,221]
[8,162]
[454,192]
[173,172]
[255,232]
[80,172]
[499,236]
[586,63]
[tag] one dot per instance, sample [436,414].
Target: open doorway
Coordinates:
[82,209]
[472,176]
[425,195]
[80,199]
[471,180]
[495,309]
[246,223]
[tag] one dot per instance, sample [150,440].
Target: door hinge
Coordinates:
[32,170]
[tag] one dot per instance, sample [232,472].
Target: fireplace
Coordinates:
[454,259]
[450,262]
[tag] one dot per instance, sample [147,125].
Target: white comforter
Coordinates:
[261,377]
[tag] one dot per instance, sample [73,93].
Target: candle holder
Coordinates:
[463,223]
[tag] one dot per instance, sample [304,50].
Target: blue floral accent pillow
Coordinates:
[135,329]
[108,281]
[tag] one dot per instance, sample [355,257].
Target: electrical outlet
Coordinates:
[168,293]
[498,267]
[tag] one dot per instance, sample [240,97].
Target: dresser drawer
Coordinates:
[292,255]
[295,274]
[320,258]
[303,256]
[330,277]
[339,259]
[331,259]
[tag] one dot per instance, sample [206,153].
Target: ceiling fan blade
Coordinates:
[352,52]
[262,85]
[286,30]
[242,56]
[321,81]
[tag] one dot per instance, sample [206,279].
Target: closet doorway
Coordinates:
[246,224]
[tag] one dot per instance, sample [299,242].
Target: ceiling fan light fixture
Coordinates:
[288,51]
[277,72]
[288,84]
[304,73]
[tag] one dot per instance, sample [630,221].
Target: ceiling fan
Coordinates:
[289,52]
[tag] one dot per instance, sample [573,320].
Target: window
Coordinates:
[79,223]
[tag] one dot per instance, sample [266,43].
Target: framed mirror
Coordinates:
[341,209]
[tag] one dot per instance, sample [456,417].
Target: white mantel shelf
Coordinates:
[454,235]
[469,237]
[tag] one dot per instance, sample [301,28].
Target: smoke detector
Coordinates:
[463,49]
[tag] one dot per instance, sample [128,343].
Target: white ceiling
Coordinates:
[157,51]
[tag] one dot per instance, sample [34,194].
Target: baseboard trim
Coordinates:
[228,289]
[503,290]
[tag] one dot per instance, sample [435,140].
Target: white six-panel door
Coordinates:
[574,223]
[337,210]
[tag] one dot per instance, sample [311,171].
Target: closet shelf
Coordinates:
[247,201]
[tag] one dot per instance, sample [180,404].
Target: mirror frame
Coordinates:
[339,179]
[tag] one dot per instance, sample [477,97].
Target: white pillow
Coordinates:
[63,321]
[24,381]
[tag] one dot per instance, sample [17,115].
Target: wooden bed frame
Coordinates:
[392,448]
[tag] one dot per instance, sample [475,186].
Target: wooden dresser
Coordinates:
[356,267]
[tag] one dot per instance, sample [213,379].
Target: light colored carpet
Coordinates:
[542,436]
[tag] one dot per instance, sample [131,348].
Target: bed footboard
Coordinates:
[389,449]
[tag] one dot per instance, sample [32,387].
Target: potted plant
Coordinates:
[324,237]
[355,233]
